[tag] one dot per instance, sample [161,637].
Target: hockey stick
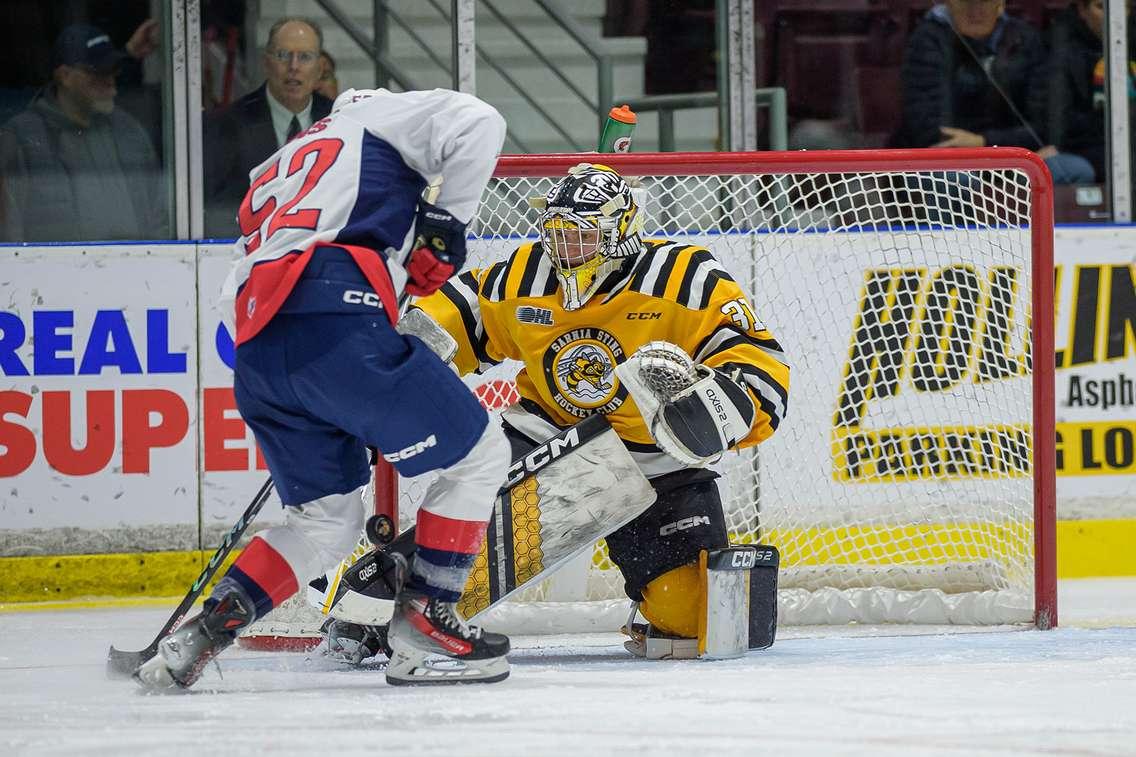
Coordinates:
[122,664]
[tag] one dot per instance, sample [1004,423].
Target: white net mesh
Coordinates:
[901,477]
[899,487]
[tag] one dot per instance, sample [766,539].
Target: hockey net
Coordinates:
[912,479]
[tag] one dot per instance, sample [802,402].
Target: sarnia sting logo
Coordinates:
[579,367]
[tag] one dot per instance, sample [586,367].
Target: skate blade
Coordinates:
[438,670]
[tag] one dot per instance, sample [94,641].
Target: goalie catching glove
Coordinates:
[694,412]
[438,251]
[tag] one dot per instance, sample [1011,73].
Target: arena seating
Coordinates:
[839,61]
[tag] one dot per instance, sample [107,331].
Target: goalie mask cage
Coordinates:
[912,479]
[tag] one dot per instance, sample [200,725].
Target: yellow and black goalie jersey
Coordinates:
[670,291]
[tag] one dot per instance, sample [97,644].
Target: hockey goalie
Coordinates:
[657,338]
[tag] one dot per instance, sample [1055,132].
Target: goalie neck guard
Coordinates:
[589,221]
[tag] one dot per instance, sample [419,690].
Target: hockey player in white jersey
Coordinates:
[334,227]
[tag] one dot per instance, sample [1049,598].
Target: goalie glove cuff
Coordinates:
[705,419]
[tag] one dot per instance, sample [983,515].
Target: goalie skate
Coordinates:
[432,645]
[353,643]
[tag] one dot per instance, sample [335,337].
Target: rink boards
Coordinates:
[119,433]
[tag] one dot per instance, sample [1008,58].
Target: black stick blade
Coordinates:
[122,664]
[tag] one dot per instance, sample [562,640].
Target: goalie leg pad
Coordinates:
[741,600]
[735,598]
[568,491]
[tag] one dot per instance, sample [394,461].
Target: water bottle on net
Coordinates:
[616,136]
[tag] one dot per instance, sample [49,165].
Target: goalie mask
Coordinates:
[589,221]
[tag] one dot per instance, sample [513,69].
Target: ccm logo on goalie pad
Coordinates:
[744,559]
[541,456]
[684,524]
[357,297]
[414,449]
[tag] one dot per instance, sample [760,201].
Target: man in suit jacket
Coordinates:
[239,137]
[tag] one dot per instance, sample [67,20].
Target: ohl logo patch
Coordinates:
[579,367]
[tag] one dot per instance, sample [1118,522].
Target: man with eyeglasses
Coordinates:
[239,137]
[74,166]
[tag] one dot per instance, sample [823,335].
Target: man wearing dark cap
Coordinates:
[75,167]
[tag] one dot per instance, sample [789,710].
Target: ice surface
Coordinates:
[827,691]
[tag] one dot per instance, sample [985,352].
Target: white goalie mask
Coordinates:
[589,221]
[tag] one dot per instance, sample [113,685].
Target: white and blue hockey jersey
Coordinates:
[354,180]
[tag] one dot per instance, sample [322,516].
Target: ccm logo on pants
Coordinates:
[414,449]
[683,524]
[356,297]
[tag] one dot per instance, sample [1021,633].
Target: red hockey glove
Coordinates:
[438,252]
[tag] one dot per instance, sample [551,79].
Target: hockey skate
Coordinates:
[648,642]
[184,653]
[431,644]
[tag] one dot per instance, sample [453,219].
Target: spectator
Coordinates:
[971,78]
[239,137]
[75,167]
[145,39]
[223,69]
[1076,121]
[328,83]
[974,77]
